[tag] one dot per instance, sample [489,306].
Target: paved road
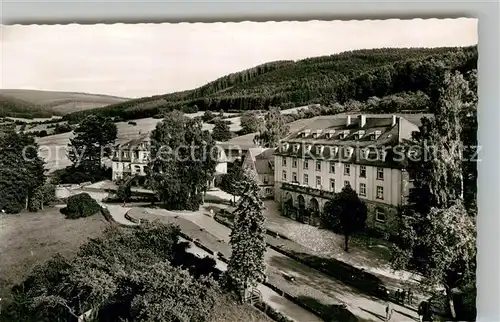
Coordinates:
[273,299]
[309,282]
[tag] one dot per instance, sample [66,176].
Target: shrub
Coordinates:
[80,205]
[190,109]
[207,116]
[62,128]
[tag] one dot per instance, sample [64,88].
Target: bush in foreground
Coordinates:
[80,205]
[127,274]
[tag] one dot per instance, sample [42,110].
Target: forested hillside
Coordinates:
[355,75]
[14,107]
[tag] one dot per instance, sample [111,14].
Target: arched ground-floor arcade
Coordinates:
[307,208]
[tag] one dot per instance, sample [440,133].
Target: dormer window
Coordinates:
[319,149]
[375,135]
[308,147]
[306,133]
[330,134]
[314,135]
[359,134]
[284,147]
[334,149]
[296,147]
[344,134]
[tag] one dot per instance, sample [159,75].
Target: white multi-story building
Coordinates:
[132,158]
[330,152]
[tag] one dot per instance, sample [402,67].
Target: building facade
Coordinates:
[261,161]
[131,158]
[331,152]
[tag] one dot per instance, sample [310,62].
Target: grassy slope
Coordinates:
[284,77]
[20,102]
[28,239]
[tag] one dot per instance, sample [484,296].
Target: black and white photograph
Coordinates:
[239,171]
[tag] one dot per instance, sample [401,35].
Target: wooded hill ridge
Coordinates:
[353,75]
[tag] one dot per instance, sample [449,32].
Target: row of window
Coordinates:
[347,168]
[362,186]
[127,154]
[334,149]
[128,166]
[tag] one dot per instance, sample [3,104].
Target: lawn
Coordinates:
[28,239]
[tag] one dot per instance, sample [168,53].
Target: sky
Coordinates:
[136,60]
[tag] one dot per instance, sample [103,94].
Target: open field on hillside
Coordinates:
[37,119]
[28,239]
[60,103]
[53,148]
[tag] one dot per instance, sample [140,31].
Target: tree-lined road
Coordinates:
[308,282]
[270,297]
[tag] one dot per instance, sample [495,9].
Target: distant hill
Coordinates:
[336,78]
[11,106]
[34,103]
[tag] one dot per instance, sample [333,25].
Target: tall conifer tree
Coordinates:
[246,266]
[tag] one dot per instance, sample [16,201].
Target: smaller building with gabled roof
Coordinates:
[261,160]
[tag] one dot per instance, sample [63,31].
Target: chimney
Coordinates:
[393,120]
[348,120]
[362,120]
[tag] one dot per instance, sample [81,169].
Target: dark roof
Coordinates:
[263,160]
[334,147]
[243,142]
[267,154]
[144,138]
